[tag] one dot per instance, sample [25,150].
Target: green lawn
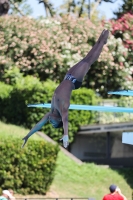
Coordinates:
[74,180]
[8,130]
[87,180]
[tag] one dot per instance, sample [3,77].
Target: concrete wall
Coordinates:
[94,148]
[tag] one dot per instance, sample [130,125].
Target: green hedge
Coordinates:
[31,90]
[29,170]
[5,91]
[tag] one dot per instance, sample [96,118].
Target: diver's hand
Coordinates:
[25,140]
[65,140]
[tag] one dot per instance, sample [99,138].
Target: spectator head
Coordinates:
[112,188]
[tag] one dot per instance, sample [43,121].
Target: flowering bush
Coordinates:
[48,47]
[123,28]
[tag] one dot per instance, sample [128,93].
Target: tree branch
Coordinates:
[17,8]
[110,1]
[95,6]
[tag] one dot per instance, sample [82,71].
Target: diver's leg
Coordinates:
[80,69]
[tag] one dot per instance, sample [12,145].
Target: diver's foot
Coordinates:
[104,36]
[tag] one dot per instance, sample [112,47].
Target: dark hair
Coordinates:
[112,188]
[60,125]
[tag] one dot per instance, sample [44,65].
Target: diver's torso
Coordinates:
[62,95]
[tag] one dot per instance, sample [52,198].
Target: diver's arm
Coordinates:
[65,127]
[37,127]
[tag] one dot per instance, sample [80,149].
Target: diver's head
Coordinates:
[58,125]
[56,122]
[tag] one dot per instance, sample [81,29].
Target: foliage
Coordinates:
[75,177]
[18,1]
[126,7]
[15,7]
[4,7]
[122,28]
[81,9]
[76,8]
[49,45]
[48,7]
[5,91]
[126,101]
[12,76]
[31,90]
[107,117]
[20,7]
[29,170]
[117,117]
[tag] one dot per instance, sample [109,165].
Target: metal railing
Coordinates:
[45,198]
